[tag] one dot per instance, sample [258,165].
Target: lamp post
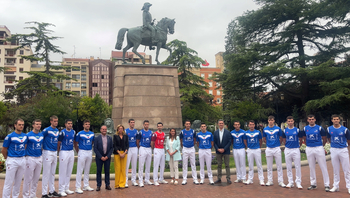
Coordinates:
[276,100]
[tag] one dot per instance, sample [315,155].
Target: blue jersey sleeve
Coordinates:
[181,135]
[7,141]
[138,135]
[322,131]
[264,134]
[194,134]
[211,137]
[283,135]
[260,136]
[76,138]
[26,141]
[328,135]
[197,139]
[300,133]
[347,134]
[244,136]
[280,132]
[45,132]
[61,136]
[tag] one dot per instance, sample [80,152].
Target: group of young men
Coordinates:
[24,154]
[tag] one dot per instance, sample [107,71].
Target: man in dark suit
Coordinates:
[222,143]
[103,148]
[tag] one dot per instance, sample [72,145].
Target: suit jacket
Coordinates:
[226,141]
[117,143]
[98,147]
[176,146]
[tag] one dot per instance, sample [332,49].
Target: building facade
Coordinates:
[130,57]
[101,79]
[11,60]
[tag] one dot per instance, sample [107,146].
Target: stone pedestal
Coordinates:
[146,92]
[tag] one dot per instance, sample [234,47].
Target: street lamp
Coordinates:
[276,101]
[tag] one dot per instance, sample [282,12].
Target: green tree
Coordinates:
[269,48]
[3,110]
[41,40]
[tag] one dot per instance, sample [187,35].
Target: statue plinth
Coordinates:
[146,92]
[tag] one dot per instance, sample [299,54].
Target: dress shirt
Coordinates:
[104,142]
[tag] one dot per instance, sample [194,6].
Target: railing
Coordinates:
[9,72]
[9,63]
[9,81]
[83,87]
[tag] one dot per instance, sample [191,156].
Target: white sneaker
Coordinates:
[126,185]
[63,194]
[248,182]
[79,191]
[349,190]
[69,192]
[238,181]
[196,182]
[299,186]
[269,183]
[156,183]
[184,182]
[211,182]
[334,189]
[282,184]
[244,181]
[134,184]
[163,182]
[289,185]
[88,188]
[148,183]
[172,181]
[176,182]
[141,185]
[202,181]
[262,183]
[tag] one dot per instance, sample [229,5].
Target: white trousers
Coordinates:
[84,164]
[14,174]
[293,155]
[49,171]
[205,156]
[270,154]
[31,176]
[254,154]
[132,157]
[145,155]
[65,169]
[174,168]
[314,154]
[189,153]
[158,161]
[239,157]
[340,156]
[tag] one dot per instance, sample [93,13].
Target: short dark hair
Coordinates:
[86,121]
[311,116]
[187,121]
[131,119]
[290,117]
[18,119]
[221,120]
[36,120]
[145,121]
[271,117]
[236,121]
[203,123]
[251,121]
[68,120]
[53,117]
[335,116]
[159,123]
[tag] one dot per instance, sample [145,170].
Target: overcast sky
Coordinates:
[93,24]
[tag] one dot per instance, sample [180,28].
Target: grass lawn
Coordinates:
[214,167]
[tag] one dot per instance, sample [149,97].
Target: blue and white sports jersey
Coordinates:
[67,139]
[253,138]
[339,136]
[132,135]
[85,140]
[292,137]
[145,138]
[238,139]
[187,138]
[50,138]
[313,135]
[34,144]
[272,136]
[15,144]
[205,140]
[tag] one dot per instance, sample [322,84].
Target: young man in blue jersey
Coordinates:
[84,141]
[66,157]
[272,136]
[33,160]
[339,137]
[50,135]
[145,153]
[252,140]
[13,150]
[132,153]
[238,151]
[205,141]
[292,139]
[187,139]
[315,138]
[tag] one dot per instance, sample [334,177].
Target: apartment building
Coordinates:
[101,79]
[80,73]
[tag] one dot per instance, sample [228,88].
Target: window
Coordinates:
[75,62]
[21,61]
[218,100]
[210,84]
[211,92]
[75,84]
[83,69]
[83,93]
[94,85]
[20,69]
[83,85]
[76,77]
[217,84]
[83,77]
[202,75]
[68,85]
[20,78]
[209,75]
[0,51]
[76,68]
[76,92]
[21,52]
[218,92]
[102,77]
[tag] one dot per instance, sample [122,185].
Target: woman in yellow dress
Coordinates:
[121,146]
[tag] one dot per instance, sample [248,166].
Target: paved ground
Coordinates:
[223,190]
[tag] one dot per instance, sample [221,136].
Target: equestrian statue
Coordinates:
[148,35]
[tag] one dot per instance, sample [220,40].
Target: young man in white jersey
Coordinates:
[132,153]
[339,137]
[292,139]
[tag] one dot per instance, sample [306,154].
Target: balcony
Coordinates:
[9,63]
[10,55]
[9,81]
[83,87]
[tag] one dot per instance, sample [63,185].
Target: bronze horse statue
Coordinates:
[141,36]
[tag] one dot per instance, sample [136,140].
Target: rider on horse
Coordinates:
[147,22]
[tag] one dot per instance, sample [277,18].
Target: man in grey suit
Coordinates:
[222,143]
[103,148]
